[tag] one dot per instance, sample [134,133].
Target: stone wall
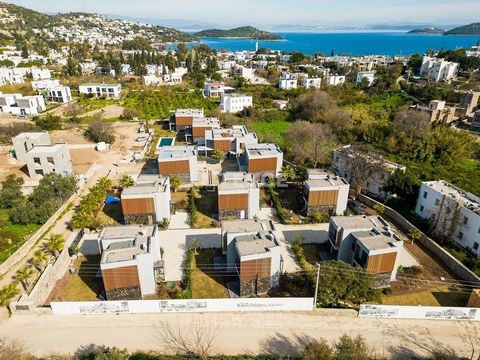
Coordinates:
[140,219]
[311,209]
[230,214]
[254,287]
[131,293]
[443,255]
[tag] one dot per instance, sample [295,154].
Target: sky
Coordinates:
[274,12]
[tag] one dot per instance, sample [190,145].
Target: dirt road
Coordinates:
[237,333]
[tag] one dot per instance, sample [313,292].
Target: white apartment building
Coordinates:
[287,82]
[453,213]
[98,90]
[213,89]
[11,77]
[369,75]
[131,262]
[148,201]
[438,69]
[41,74]
[334,80]
[242,71]
[311,83]
[152,80]
[235,102]
[45,159]
[17,104]
[45,84]
[24,142]
[60,94]
[344,165]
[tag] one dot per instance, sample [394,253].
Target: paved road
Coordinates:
[237,333]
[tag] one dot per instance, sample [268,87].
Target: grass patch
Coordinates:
[311,252]
[439,296]
[272,131]
[206,202]
[181,200]
[83,286]
[111,214]
[13,236]
[159,131]
[205,283]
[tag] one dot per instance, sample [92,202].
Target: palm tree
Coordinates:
[126,181]
[414,234]
[55,244]
[23,275]
[288,173]
[39,257]
[7,293]
[104,183]
[175,182]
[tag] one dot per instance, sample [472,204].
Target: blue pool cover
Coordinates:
[110,199]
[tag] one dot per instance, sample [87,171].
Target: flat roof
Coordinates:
[205,121]
[262,150]
[126,231]
[98,84]
[41,149]
[31,135]
[147,187]
[318,178]
[371,240]
[359,222]
[466,199]
[188,112]
[176,152]
[246,226]
[254,244]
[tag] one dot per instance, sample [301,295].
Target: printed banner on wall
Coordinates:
[175,306]
[420,312]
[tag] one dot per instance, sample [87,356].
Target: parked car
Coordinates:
[23,117]
[357,207]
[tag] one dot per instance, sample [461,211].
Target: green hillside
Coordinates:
[471,29]
[242,32]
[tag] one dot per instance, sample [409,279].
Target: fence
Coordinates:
[419,312]
[181,306]
[45,284]
[444,256]
[25,248]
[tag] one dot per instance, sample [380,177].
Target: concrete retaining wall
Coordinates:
[445,257]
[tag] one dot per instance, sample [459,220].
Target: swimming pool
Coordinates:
[165,142]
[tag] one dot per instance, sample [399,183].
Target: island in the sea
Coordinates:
[428,30]
[466,30]
[246,32]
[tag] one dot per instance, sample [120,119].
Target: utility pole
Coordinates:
[316,286]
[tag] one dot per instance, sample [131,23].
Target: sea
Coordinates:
[350,43]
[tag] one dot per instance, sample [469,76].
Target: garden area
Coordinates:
[206,282]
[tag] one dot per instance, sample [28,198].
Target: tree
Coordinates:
[23,213]
[379,208]
[23,275]
[49,122]
[99,131]
[8,293]
[313,106]
[55,244]
[11,191]
[349,348]
[414,234]
[411,125]
[39,258]
[340,282]
[320,349]
[405,184]
[130,113]
[310,143]
[217,154]
[13,350]
[288,173]
[126,181]
[194,246]
[175,182]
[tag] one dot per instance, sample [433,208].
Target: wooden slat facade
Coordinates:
[121,277]
[199,132]
[232,201]
[174,167]
[138,206]
[222,145]
[261,165]
[253,269]
[183,120]
[383,263]
[323,198]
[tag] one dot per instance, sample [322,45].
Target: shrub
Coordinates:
[48,122]
[164,224]
[192,207]
[99,131]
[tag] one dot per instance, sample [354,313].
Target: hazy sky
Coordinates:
[267,12]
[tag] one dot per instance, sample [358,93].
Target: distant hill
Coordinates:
[23,25]
[428,30]
[248,32]
[471,29]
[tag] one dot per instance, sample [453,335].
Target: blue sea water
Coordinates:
[354,43]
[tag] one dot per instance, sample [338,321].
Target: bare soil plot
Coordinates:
[69,136]
[108,112]
[82,159]
[10,165]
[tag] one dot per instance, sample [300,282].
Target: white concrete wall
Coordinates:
[253,202]
[419,312]
[175,306]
